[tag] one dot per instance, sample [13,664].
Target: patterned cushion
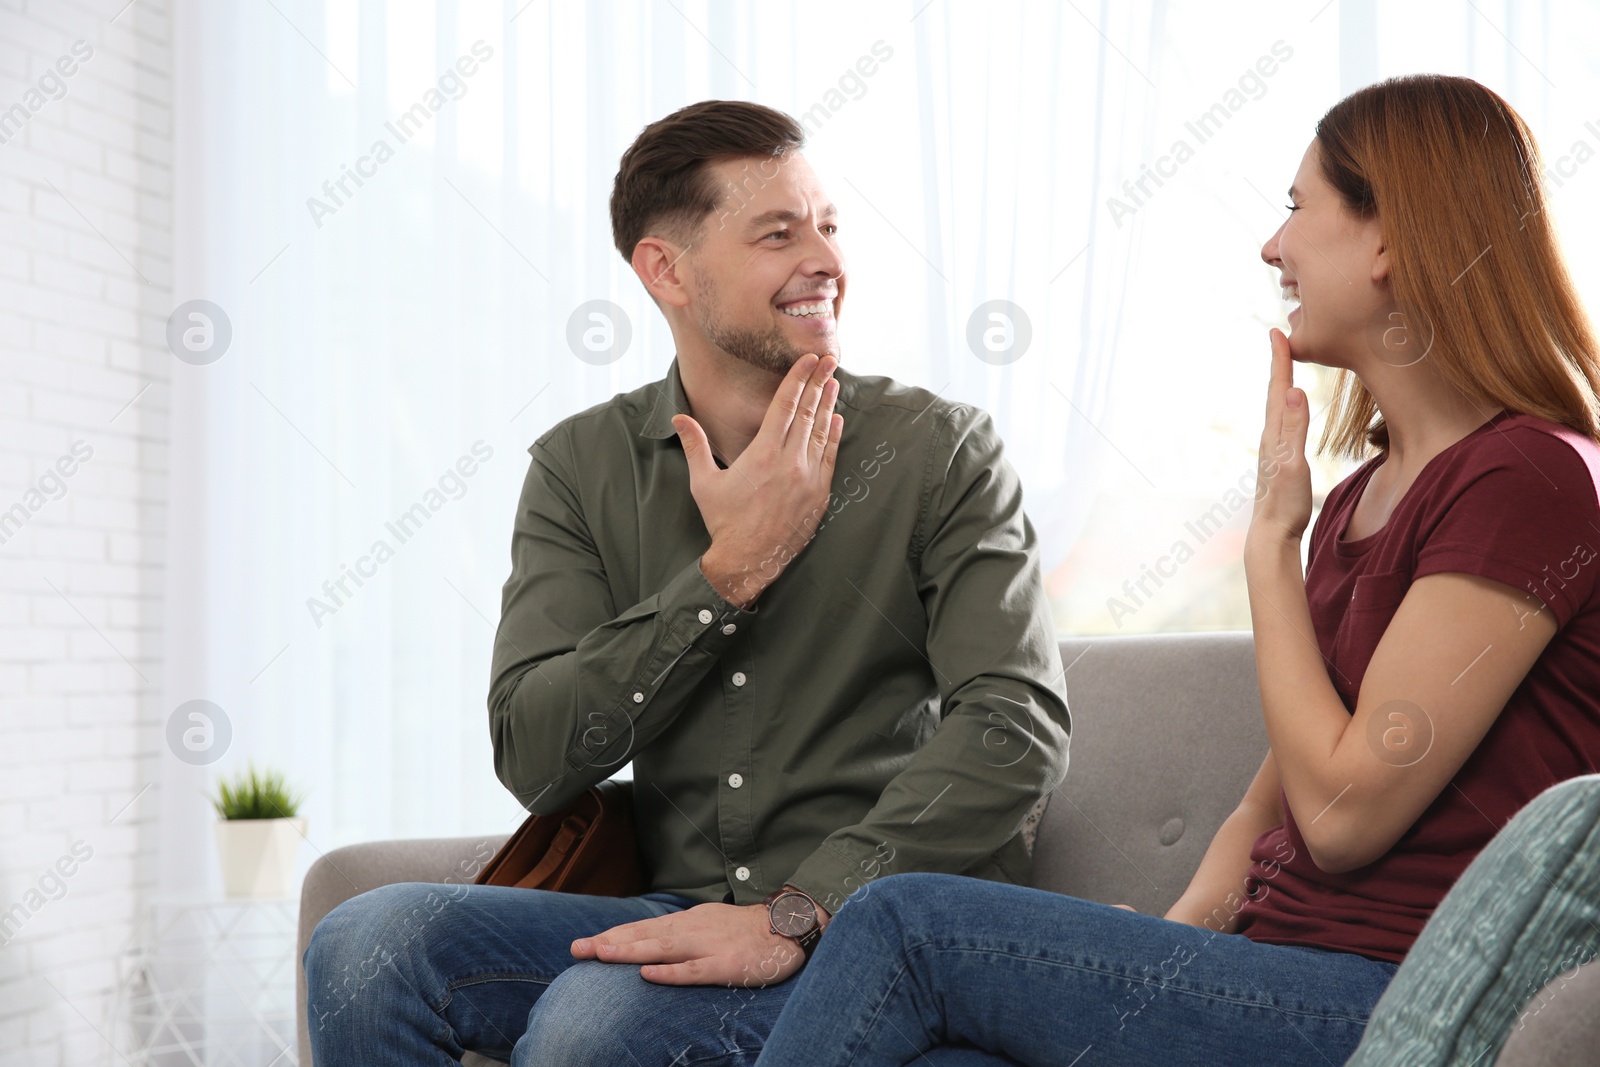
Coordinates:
[1525,912]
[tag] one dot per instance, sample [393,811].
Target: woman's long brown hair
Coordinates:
[1453,173]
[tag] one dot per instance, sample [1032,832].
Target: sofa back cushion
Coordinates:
[1166,735]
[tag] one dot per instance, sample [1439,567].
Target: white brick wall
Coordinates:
[85,210]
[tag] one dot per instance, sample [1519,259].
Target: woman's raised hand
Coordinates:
[1283,482]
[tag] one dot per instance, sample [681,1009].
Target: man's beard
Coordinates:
[769,350]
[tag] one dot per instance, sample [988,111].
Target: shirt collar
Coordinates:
[670,400]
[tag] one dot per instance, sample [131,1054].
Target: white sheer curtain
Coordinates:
[395,306]
[400,238]
[1028,118]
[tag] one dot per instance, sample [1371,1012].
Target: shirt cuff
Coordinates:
[689,614]
[829,878]
[721,606]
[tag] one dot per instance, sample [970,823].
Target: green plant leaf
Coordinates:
[256,795]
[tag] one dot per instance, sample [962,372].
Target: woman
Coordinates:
[1437,666]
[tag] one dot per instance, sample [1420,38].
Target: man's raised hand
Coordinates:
[763,510]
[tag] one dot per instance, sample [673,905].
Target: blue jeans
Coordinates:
[415,973]
[1020,976]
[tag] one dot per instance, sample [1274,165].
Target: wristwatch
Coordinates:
[793,914]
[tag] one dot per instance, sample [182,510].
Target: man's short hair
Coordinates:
[662,184]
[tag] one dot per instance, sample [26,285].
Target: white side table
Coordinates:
[209,983]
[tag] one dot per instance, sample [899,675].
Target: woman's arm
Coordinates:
[1219,883]
[1455,651]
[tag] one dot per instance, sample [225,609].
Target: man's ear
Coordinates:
[656,262]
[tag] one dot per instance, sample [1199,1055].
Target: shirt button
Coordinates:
[738,677]
[736,780]
[728,629]
[638,698]
[742,873]
[705,616]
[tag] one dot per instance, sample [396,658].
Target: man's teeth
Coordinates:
[801,310]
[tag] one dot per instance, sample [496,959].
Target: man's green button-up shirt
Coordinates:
[893,702]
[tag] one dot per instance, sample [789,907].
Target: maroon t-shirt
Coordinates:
[1518,501]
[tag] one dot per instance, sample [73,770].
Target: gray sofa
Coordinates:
[1166,735]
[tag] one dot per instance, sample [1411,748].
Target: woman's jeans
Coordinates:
[1022,976]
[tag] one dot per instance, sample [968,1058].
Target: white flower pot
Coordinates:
[258,855]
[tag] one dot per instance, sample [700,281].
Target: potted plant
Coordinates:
[258,834]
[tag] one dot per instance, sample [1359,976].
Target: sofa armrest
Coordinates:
[1559,1025]
[354,869]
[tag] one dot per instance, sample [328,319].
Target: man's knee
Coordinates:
[598,1015]
[369,940]
[892,896]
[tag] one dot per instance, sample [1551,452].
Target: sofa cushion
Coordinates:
[1166,736]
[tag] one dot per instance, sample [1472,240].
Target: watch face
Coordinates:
[793,915]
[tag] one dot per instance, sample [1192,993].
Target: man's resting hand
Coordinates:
[709,944]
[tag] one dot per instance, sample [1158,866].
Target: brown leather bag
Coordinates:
[588,847]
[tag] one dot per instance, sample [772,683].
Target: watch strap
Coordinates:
[808,942]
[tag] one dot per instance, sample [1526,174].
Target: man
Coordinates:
[806,605]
